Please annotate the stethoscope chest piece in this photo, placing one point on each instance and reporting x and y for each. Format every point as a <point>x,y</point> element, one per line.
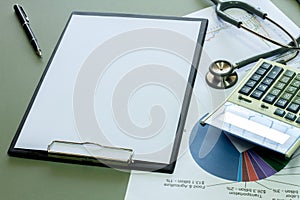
<point>221,75</point>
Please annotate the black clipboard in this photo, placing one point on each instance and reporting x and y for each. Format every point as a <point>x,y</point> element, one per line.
<point>64,105</point>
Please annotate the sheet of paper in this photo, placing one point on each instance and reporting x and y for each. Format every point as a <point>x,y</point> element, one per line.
<point>217,166</point>
<point>107,84</point>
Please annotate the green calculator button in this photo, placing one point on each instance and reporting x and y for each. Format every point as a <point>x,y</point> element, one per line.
<point>291,89</point>
<point>280,85</point>
<point>297,100</point>
<point>289,73</point>
<point>287,96</point>
<point>275,91</point>
<point>285,79</point>
<point>296,83</point>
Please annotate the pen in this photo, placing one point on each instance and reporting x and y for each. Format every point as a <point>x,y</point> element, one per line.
<point>24,20</point>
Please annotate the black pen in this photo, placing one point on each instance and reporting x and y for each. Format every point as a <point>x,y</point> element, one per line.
<point>25,24</point>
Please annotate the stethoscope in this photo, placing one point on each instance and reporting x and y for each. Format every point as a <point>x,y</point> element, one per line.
<point>222,74</point>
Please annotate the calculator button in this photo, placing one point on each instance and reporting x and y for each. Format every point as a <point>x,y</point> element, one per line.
<point>245,90</point>
<point>262,87</point>
<point>266,66</point>
<point>261,71</point>
<point>287,96</point>
<point>297,100</point>
<point>297,77</point>
<point>256,77</point>
<point>282,103</point>
<point>289,73</point>
<point>269,98</point>
<point>275,91</point>
<point>285,79</point>
<point>279,112</point>
<point>296,83</point>
<point>257,94</point>
<point>251,83</point>
<point>293,107</point>
<point>298,120</point>
<point>291,89</point>
<point>280,85</point>
<point>267,81</point>
<point>275,72</point>
<point>290,116</point>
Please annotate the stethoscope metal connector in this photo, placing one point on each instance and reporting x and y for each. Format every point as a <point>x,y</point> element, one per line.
<point>221,75</point>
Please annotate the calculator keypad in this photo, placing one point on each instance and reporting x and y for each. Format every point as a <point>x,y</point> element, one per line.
<point>275,86</point>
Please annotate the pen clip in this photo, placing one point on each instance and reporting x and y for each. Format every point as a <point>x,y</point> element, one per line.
<point>23,13</point>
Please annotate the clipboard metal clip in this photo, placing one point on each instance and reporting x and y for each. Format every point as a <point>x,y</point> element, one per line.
<point>90,150</point>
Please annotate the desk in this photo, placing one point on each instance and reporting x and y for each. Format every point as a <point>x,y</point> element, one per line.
<point>20,72</point>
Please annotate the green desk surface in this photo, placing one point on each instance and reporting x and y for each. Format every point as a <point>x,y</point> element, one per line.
<point>19,75</point>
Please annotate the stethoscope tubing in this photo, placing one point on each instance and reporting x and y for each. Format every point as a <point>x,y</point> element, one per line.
<point>268,54</point>
<point>221,7</point>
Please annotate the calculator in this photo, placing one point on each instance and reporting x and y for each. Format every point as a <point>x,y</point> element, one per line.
<point>264,108</point>
<point>271,89</point>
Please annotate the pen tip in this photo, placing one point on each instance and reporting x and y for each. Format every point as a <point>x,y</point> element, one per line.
<point>39,53</point>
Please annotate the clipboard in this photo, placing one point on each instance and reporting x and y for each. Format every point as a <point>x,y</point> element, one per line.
<point>114,93</point>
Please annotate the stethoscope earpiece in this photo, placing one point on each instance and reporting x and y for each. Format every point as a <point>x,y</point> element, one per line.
<point>221,75</point>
